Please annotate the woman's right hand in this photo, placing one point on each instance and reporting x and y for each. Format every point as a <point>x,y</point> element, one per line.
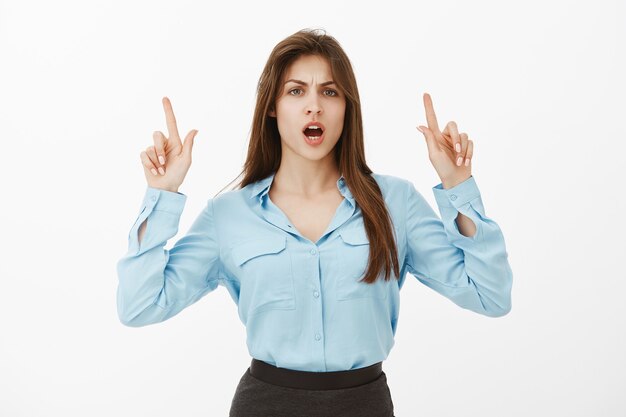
<point>166,163</point>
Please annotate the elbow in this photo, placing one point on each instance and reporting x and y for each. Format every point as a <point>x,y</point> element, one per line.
<point>499,309</point>
<point>129,322</point>
<point>133,312</point>
<point>136,315</point>
<point>137,319</point>
<point>494,306</point>
<point>498,312</point>
<point>499,303</point>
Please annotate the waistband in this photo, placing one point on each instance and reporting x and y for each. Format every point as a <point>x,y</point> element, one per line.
<point>292,378</point>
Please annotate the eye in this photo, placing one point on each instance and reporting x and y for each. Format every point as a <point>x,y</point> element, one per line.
<point>334,93</point>
<point>294,89</point>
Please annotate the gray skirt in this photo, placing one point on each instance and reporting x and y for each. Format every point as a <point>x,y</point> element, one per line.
<point>257,398</point>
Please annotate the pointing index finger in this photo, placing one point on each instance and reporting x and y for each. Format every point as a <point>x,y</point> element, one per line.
<point>430,113</point>
<point>172,129</point>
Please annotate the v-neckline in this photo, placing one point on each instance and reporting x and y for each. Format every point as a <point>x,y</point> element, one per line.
<point>330,222</point>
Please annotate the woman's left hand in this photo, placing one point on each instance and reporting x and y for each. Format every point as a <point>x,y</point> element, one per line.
<point>449,151</point>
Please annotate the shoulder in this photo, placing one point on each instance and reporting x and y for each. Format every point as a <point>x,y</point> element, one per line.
<point>395,191</point>
<point>228,200</point>
<point>391,183</point>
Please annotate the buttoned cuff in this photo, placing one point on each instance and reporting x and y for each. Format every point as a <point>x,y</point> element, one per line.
<point>162,200</point>
<point>458,195</point>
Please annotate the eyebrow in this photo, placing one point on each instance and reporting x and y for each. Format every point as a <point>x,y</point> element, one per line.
<point>303,83</point>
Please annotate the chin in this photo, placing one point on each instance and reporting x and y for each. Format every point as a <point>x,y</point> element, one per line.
<point>316,155</point>
<point>311,153</point>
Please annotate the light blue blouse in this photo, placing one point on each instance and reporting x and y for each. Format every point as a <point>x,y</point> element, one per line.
<point>300,301</point>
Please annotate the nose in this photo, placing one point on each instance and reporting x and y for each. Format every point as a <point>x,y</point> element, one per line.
<point>313,105</point>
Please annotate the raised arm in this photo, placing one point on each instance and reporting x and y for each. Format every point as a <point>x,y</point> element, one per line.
<point>156,284</point>
<point>474,271</point>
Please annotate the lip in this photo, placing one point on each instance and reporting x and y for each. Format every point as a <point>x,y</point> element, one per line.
<point>314,142</point>
<point>314,124</point>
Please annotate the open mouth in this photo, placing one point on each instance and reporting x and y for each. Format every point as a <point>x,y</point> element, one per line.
<point>313,131</point>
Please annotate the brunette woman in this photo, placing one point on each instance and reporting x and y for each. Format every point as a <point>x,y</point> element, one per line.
<point>313,247</point>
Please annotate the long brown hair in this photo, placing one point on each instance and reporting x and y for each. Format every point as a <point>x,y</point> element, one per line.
<point>264,148</point>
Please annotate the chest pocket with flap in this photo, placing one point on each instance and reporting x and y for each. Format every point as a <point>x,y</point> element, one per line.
<point>352,256</point>
<point>265,273</point>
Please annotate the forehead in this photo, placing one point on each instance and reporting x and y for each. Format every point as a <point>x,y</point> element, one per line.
<point>309,67</point>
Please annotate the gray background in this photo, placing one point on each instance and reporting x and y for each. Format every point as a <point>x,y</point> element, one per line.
<point>538,86</point>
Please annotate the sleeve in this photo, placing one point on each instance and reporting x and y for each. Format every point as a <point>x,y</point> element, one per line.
<point>473,272</point>
<point>155,283</point>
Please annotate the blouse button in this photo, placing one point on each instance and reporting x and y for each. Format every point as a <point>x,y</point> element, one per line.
<point>453,197</point>
<point>154,198</point>
<point>313,251</point>
<point>316,294</point>
<point>317,336</point>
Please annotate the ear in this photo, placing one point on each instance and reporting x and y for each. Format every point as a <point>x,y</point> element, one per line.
<point>271,112</point>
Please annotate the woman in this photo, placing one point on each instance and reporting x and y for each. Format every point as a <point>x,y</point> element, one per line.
<point>313,247</point>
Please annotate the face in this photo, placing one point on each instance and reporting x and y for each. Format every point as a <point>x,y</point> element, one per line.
<point>309,95</point>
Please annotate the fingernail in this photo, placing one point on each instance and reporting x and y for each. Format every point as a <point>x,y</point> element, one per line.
<point>458,161</point>
<point>420,129</point>
<point>161,160</point>
<point>153,171</point>
<point>161,171</point>
<point>467,162</point>
<point>457,147</point>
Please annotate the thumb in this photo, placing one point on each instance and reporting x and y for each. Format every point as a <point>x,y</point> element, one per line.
<point>188,145</point>
<point>431,142</point>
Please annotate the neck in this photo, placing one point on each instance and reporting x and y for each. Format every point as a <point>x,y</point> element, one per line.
<point>306,178</point>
